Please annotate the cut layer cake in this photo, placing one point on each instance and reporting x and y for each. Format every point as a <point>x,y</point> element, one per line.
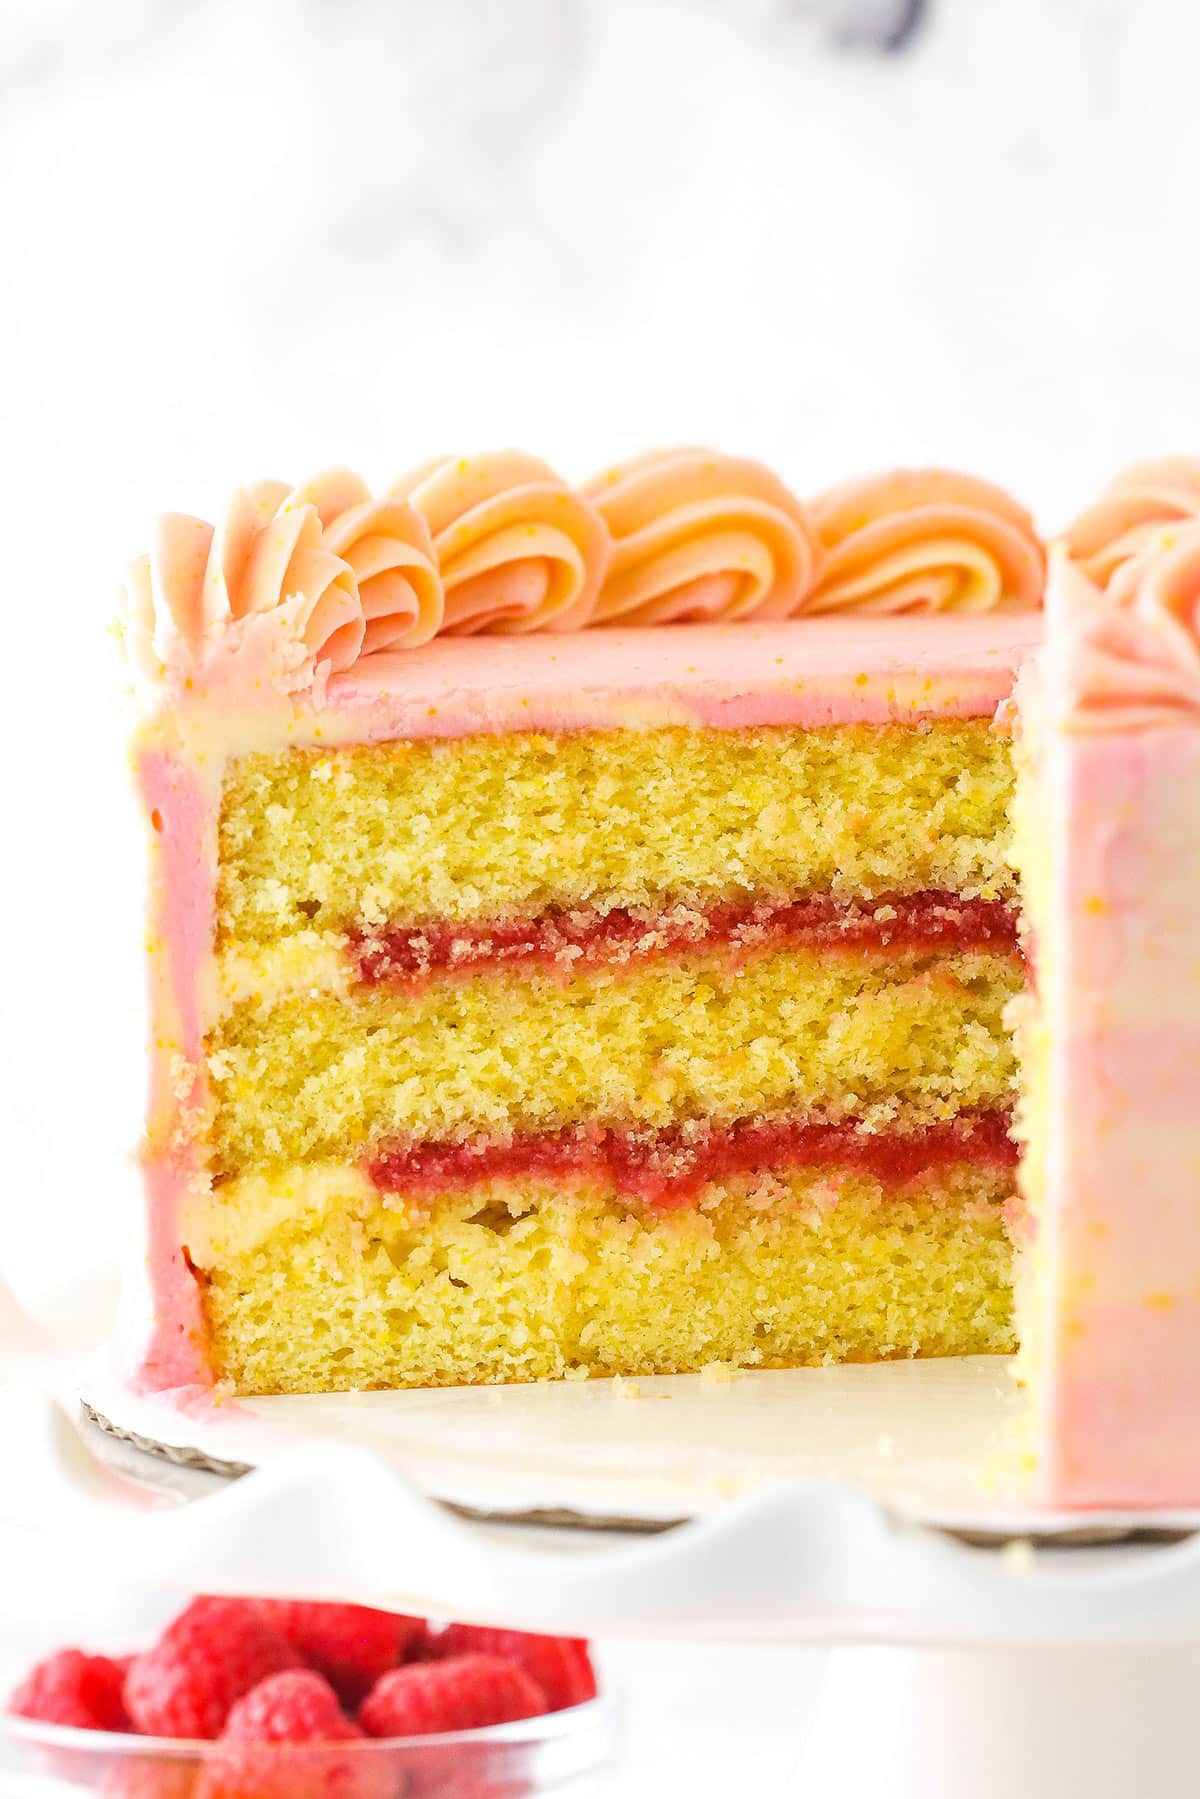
<point>584,933</point>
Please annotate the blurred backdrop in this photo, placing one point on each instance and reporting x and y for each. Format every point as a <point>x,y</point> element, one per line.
<point>242,237</point>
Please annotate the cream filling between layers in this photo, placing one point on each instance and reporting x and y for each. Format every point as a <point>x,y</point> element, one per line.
<point>239,1216</point>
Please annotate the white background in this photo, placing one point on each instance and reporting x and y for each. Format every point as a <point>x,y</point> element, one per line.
<point>245,237</point>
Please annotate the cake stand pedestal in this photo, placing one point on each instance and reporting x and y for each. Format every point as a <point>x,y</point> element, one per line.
<point>1009,1723</point>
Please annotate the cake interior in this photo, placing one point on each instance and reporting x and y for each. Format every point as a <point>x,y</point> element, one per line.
<point>545,1054</point>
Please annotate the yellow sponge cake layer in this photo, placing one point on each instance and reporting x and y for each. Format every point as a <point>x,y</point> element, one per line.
<point>492,826</point>
<point>656,1043</point>
<point>312,1283</point>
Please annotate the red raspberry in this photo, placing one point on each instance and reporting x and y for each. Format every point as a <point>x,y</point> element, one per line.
<point>216,1650</point>
<point>464,1693</point>
<point>351,1645</point>
<point>279,1743</point>
<point>561,1666</point>
<point>295,1707</point>
<point>73,1688</point>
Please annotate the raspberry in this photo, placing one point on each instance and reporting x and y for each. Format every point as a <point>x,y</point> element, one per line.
<point>295,1707</point>
<point>351,1645</point>
<point>465,1692</point>
<point>561,1666</point>
<point>280,1742</point>
<point>73,1688</point>
<point>216,1650</point>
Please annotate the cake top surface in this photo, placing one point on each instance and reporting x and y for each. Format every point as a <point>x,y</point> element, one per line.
<point>320,591</point>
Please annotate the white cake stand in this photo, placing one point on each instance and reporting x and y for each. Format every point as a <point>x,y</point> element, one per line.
<point>957,1671</point>
<point>1031,1667</point>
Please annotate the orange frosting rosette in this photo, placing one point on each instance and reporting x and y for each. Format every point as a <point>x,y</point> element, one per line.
<point>387,545</point>
<point>339,574</point>
<point>926,540</point>
<point>518,550</point>
<point>1135,662</point>
<point>700,536</point>
<point>1131,513</point>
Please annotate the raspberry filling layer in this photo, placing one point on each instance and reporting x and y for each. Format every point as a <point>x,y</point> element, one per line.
<point>900,924</point>
<point>665,1169</point>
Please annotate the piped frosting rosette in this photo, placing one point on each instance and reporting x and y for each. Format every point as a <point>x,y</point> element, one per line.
<point>320,575</point>
<point>1134,662</point>
<point>925,540</point>
<point>1131,514</point>
<point>518,550</point>
<point>701,536</point>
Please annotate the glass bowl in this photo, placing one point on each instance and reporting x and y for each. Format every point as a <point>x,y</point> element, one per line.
<point>564,1752</point>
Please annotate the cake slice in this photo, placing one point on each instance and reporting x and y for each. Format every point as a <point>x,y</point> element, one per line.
<point>582,924</point>
<point>1108,842</point>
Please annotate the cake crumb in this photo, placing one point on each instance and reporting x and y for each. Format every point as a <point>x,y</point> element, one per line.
<point>626,1389</point>
<point>1019,1554</point>
<point>718,1374</point>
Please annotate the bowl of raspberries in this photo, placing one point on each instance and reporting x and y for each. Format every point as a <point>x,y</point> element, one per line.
<point>298,1699</point>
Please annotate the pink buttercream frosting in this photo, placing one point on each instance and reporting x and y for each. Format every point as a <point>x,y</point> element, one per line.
<point>1131,512</point>
<point>925,540</point>
<point>1133,652</point>
<point>1113,1313</point>
<point>316,578</point>
<point>701,536</point>
<point>518,550</point>
<point>182,899</point>
<point>296,585</point>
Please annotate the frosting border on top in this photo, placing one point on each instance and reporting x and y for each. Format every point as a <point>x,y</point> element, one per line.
<point>300,586</point>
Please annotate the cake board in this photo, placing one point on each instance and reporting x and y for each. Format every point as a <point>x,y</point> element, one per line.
<point>935,1442</point>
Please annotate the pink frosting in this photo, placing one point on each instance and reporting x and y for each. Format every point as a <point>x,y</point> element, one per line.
<point>518,550</point>
<point>802,671</point>
<point>1131,512</point>
<point>182,820</point>
<point>925,540</point>
<point>300,584</point>
<point>331,575</point>
<point>701,536</point>
<point>1134,651</point>
<point>1116,1387</point>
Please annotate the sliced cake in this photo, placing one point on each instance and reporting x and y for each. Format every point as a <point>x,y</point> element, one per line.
<point>582,923</point>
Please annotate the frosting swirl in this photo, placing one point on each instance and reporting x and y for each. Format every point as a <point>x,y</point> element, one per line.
<point>926,540</point>
<point>1131,513</point>
<point>700,536</point>
<point>1134,657</point>
<point>386,543</point>
<point>518,549</point>
<point>338,574</point>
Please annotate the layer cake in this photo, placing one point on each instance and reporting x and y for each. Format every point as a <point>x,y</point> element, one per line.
<point>582,923</point>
